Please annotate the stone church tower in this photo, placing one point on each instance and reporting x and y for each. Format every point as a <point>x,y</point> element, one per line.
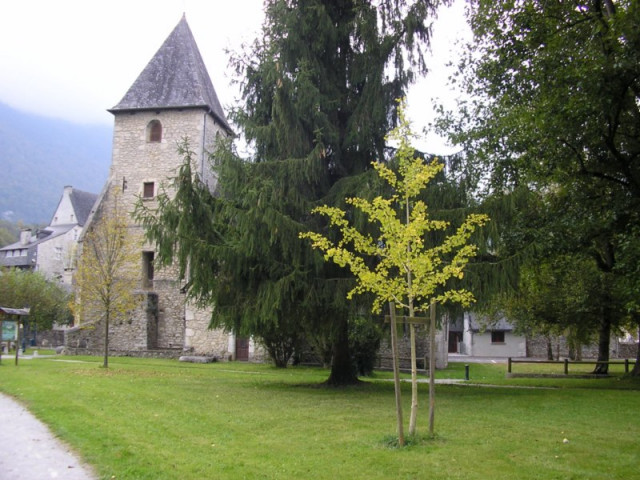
<point>172,99</point>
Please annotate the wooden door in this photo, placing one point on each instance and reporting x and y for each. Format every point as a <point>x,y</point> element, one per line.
<point>242,349</point>
<point>454,339</point>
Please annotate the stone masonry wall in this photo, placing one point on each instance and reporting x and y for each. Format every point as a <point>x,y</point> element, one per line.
<point>55,256</point>
<point>200,339</point>
<point>537,348</point>
<point>385,356</point>
<point>136,161</point>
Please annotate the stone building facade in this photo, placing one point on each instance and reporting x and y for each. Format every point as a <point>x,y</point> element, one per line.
<point>52,249</point>
<point>173,99</point>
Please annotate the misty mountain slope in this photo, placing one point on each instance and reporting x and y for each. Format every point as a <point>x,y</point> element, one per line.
<point>40,155</point>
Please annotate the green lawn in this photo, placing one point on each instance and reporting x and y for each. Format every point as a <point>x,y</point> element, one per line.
<point>160,419</point>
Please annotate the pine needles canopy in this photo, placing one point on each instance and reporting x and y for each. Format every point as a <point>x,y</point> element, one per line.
<point>319,89</point>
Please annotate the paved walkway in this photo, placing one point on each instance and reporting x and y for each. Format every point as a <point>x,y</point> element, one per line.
<point>29,450</point>
<point>459,358</point>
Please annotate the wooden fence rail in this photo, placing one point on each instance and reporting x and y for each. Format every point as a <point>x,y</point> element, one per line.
<point>566,363</point>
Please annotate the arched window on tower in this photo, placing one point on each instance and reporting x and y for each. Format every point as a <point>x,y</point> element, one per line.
<point>154,131</point>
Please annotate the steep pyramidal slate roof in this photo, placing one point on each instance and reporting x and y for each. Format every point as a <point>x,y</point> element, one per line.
<point>176,77</point>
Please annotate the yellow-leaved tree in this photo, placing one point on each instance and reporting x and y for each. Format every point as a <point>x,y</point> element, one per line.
<point>398,266</point>
<point>108,272</point>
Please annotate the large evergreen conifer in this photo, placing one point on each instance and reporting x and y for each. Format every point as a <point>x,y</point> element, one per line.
<point>319,90</point>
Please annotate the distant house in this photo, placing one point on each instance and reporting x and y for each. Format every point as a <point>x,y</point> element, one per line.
<point>51,250</point>
<point>471,336</point>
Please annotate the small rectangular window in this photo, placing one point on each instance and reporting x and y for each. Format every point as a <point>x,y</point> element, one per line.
<point>497,336</point>
<point>148,190</point>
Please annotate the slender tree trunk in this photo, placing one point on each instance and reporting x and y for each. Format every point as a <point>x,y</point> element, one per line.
<point>413,418</point>
<point>432,367</point>
<point>604,334</point>
<point>342,368</point>
<point>636,368</point>
<point>17,339</point>
<point>571,345</point>
<point>605,260</point>
<point>396,372</point>
<point>105,363</point>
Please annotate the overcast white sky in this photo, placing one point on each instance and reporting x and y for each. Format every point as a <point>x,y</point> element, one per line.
<point>73,59</point>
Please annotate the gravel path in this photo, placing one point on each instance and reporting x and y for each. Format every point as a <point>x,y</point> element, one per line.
<point>29,451</point>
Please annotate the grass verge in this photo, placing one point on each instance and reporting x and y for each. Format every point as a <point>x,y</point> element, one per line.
<point>160,419</point>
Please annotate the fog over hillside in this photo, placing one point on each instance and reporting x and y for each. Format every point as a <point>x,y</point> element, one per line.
<point>40,155</point>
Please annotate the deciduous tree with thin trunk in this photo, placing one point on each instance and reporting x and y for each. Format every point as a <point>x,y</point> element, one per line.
<point>554,106</point>
<point>397,265</point>
<point>47,300</point>
<point>109,271</point>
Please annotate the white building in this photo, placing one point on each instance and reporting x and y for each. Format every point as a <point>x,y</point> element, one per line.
<point>474,337</point>
<point>52,250</point>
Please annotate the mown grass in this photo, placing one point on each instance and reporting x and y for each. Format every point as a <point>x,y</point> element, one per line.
<point>160,419</point>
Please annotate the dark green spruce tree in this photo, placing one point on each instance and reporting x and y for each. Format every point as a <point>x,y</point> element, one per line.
<point>319,91</point>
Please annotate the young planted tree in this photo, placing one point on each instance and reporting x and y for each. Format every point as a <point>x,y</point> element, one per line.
<point>397,265</point>
<point>108,271</point>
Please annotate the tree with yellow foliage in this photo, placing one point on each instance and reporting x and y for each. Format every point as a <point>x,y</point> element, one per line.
<point>398,266</point>
<point>108,271</point>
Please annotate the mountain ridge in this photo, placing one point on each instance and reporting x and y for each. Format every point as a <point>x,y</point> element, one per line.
<point>40,155</point>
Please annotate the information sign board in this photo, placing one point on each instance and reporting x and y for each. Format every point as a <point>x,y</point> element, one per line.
<point>9,330</point>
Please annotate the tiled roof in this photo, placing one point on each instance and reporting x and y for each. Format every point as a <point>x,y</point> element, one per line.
<point>19,261</point>
<point>28,260</point>
<point>41,235</point>
<point>479,324</point>
<point>176,77</point>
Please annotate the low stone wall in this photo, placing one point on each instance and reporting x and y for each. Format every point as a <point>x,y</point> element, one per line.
<point>160,353</point>
<point>200,339</point>
<point>627,350</point>
<point>385,355</point>
<point>537,348</point>
<point>50,338</point>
